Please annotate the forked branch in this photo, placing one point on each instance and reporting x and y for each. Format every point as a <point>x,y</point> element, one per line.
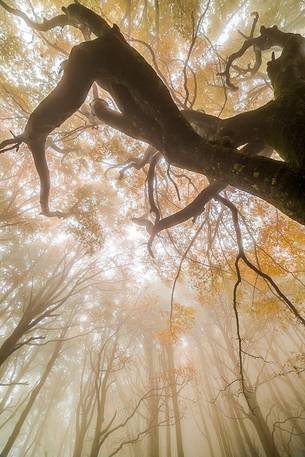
<point>268,38</point>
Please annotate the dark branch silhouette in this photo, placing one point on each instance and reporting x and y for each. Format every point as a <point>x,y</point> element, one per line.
<point>147,112</point>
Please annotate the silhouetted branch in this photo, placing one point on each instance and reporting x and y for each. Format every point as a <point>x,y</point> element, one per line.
<point>242,256</point>
<point>268,38</point>
<point>58,21</point>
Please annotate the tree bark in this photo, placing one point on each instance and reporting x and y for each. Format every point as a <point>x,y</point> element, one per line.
<point>147,112</point>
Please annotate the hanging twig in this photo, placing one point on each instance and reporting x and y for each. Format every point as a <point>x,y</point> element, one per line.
<point>242,255</point>
<point>179,271</point>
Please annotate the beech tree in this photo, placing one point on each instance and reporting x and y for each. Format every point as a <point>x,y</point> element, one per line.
<point>163,211</point>
<point>146,111</point>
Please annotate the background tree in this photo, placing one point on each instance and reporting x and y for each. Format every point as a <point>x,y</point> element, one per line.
<point>110,348</point>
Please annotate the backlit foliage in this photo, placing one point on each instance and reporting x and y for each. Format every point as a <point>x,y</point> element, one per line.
<point>145,344</point>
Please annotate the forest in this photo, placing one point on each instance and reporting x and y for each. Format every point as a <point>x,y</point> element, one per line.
<point>152,243</point>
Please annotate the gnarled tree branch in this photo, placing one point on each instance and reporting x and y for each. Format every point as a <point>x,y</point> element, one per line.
<point>141,95</point>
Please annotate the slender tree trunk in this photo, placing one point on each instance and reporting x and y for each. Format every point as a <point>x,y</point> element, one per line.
<point>101,397</point>
<point>176,409</point>
<point>234,428</point>
<point>261,426</point>
<point>10,343</point>
<point>168,445</point>
<point>253,452</point>
<point>255,414</point>
<point>223,441</point>
<point>79,442</point>
<point>204,423</point>
<point>34,394</point>
<point>168,441</point>
<point>40,428</point>
<point>239,439</point>
<point>30,439</point>
<point>84,411</point>
<point>95,448</point>
<point>17,378</point>
<point>153,402</point>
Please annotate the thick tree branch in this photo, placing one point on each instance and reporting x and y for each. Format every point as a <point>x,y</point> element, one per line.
<point>132,82</point>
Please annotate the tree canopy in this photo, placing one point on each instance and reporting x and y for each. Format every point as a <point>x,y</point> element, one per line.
<point>155,243</point>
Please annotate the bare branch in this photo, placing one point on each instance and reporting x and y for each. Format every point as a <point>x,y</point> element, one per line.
<point>242,255</point>
<point>58,21</point>
<point>268,38</point>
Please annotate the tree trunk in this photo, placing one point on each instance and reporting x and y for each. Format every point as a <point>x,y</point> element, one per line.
<point>9,345</point>
<point>223,441</point>
<point>101,397</point>
<point>176,409</point>
<point>34,394</point>
<point>257,418</point>
<point>40,428</point>
<point>253,451</point>
<point>153,402</point>
<point>204,423</point>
